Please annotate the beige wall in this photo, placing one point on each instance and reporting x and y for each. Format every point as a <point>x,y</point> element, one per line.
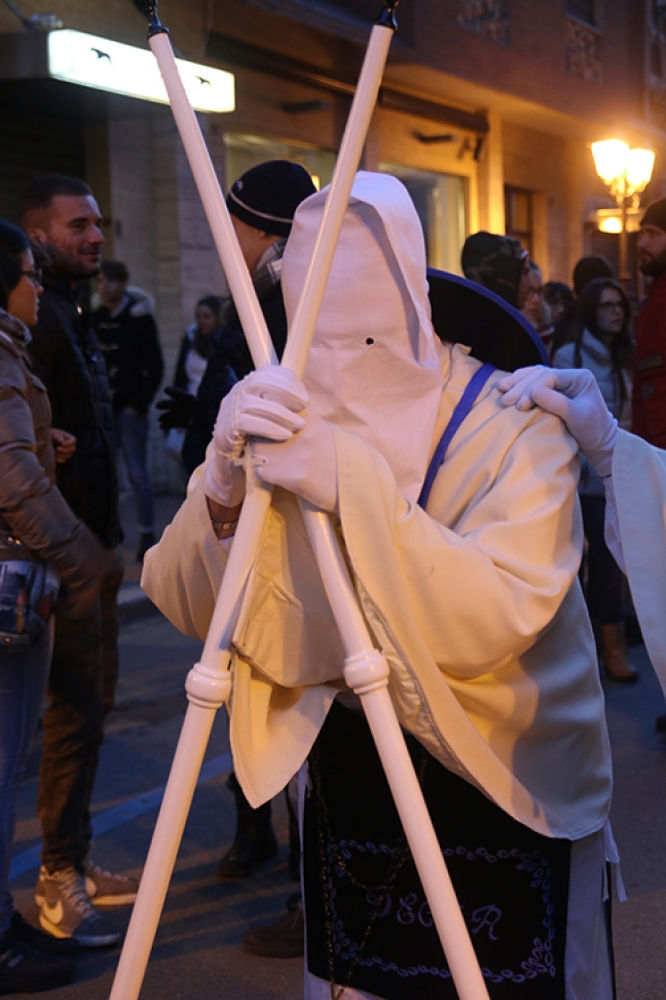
<point>537,162</point>
<point>491,179</point>
<point>155,224</point>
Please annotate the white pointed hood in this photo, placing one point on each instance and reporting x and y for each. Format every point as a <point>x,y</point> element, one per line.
<point>373,367</point>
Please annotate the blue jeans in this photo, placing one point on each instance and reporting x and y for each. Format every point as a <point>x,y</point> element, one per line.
<point>132,431</point>
<point>23,675</point>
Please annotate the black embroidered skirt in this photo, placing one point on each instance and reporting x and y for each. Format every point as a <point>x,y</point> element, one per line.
<point>368,922</point>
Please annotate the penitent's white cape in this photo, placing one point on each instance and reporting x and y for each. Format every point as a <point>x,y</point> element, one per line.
<point>475,603</point>
<point>639,485</point>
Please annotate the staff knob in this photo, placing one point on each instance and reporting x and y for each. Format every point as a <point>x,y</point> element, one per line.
<point>149,10</point>
<point>387,18</point>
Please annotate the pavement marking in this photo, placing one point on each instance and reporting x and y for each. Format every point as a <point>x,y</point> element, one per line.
<point>126,811</point>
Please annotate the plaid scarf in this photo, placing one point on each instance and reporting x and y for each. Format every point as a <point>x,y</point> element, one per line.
<point>269,269</point>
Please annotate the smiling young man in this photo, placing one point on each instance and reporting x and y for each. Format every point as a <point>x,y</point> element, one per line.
<point>649,397</point>
<point>61,216</point>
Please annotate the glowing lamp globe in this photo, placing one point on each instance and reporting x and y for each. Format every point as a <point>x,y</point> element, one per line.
<point>639,168</point>
<point>610,159</point>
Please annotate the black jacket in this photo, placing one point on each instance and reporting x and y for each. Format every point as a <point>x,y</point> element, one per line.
<point>132,353</point>
<point>69,361</point>
<point>231,360</point>
<point>272,306</point>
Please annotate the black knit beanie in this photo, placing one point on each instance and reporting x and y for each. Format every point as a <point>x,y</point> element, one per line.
<point>496,262</point>
<point>267,196</point>
<point>655,214</point>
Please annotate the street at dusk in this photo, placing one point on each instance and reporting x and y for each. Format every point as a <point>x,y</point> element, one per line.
<point>198,949</point>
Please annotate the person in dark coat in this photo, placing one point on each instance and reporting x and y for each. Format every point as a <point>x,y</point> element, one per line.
<point>649,398</point>
<point>37,529</point>
<point>60,215</point>
<point>189,420</point>
<point>262,204</point>
<point>500,264</point>
<point>586,270</point>
<point>127,331</point>
<point>199,344</point>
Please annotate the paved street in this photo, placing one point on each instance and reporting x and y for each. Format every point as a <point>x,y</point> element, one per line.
<point>198,950</point>
<point>198,953</point>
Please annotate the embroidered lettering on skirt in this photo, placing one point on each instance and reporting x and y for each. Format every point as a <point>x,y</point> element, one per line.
<point>512,883</point>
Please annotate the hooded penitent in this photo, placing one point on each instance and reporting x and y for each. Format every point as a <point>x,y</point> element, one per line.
<point>372,367</point>
<point>474,602</point>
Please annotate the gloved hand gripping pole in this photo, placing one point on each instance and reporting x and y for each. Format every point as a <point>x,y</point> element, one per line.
<point>208,684</point>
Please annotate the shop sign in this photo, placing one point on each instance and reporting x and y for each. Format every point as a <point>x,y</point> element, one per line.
<point>125,69</point>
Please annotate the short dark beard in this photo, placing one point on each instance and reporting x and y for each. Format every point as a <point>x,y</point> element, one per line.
<point>654,265</point>
<point>67,264</point>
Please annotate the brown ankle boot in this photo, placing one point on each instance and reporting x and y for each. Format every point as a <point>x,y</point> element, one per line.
<point>614,645</point>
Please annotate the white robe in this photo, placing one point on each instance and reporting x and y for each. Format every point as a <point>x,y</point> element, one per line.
<point>475,603</point>
<point>636,535</point>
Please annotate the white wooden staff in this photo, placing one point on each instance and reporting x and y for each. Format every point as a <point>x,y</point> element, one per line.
<point>366,671</point>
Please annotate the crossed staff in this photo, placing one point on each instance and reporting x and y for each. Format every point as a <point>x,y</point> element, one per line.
<point>366,671</point>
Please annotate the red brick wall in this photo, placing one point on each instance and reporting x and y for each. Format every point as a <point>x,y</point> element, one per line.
<point>533,65</point>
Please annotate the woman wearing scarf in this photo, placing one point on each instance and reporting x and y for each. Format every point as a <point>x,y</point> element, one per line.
<point>602,342</point>
<point>37,529</point>
<point>472,598</point>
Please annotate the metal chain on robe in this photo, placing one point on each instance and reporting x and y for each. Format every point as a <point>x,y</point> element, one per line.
<point>401,854</point>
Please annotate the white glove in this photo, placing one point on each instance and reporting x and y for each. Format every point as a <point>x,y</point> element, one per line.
<point>573,395</point>
<point>305,464</point>
<point>264,403</point>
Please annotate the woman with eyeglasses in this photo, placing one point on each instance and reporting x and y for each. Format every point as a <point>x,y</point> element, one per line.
<point>602,342</point>
<point>535,308</point>
<point>37,531</point>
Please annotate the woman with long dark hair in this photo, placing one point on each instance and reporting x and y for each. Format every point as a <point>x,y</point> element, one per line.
<point>40,540</point>
<point>602,342</point>
<point>198,344</point>
<point>209,355</point>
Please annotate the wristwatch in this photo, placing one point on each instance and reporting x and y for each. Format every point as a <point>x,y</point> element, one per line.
<point>228,527</point>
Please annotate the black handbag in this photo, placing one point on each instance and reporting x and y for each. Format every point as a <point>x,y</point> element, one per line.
<point>28,590</point>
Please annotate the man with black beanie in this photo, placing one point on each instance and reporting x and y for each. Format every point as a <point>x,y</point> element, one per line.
<point>262,204</point>
<point>649,398</point>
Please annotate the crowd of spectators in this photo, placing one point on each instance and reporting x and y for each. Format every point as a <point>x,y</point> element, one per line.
<point>76,389</point>
<point>590,325</point>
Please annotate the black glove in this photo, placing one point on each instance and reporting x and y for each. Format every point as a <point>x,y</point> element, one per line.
<point>178,411</point>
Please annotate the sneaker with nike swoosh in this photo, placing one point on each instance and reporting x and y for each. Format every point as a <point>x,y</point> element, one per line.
<point>67,912</point>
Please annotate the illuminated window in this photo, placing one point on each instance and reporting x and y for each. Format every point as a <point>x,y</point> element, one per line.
<point>518,215</point>
<point>441,203</point>
<point>244,151</point>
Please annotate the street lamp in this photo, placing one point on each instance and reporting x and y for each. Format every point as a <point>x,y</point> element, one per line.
<point>627,172</point>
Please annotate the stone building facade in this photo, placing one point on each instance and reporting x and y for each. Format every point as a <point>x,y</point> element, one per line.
<point>487,111</point>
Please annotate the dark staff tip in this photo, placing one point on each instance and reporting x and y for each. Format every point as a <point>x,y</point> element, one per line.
<point>149,10</point>
<point>387,18</point>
